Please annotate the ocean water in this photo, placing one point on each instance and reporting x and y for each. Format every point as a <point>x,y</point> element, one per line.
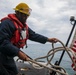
<point>38,50</point>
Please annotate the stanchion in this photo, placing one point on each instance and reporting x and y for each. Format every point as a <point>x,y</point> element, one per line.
<point>72,19</point>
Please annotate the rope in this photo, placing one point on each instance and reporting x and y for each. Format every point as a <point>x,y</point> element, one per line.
<point>59,70</point>
<point>51,53</point>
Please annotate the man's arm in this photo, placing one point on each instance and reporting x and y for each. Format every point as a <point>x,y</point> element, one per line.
<point>40,38</point>
<point>37,37</point>
<point>7,29</point>
<point>23,56</point>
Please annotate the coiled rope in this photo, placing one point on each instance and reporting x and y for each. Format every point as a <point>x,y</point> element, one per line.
<point>51,53</point>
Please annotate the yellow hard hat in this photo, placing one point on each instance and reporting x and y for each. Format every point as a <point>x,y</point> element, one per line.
<point>24,8</point>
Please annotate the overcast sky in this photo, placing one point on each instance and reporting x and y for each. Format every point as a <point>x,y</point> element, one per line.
<point>48,17</point>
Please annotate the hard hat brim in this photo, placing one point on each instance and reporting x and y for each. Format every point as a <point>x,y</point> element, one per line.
<point>20,11</point>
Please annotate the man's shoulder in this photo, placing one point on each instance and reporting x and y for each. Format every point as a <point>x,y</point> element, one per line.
<point>7,22</point>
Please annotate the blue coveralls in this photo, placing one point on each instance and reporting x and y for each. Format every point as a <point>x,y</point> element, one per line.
<point>7,50</point>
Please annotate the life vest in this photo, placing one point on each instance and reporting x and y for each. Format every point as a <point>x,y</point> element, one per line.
<point>20,35</point>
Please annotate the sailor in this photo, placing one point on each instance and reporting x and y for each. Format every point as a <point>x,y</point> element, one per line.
<point>14,33</point>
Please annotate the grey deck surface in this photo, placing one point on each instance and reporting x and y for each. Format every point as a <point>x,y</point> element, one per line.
<point>27,69</point>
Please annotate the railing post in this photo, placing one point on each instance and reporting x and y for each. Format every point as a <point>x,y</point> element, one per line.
<point>72,19</point>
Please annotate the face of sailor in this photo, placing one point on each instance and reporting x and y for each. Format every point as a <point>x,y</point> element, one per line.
<point>22,17</point>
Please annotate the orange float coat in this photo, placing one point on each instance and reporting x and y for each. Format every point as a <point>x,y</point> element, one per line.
<point>17,38</point>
